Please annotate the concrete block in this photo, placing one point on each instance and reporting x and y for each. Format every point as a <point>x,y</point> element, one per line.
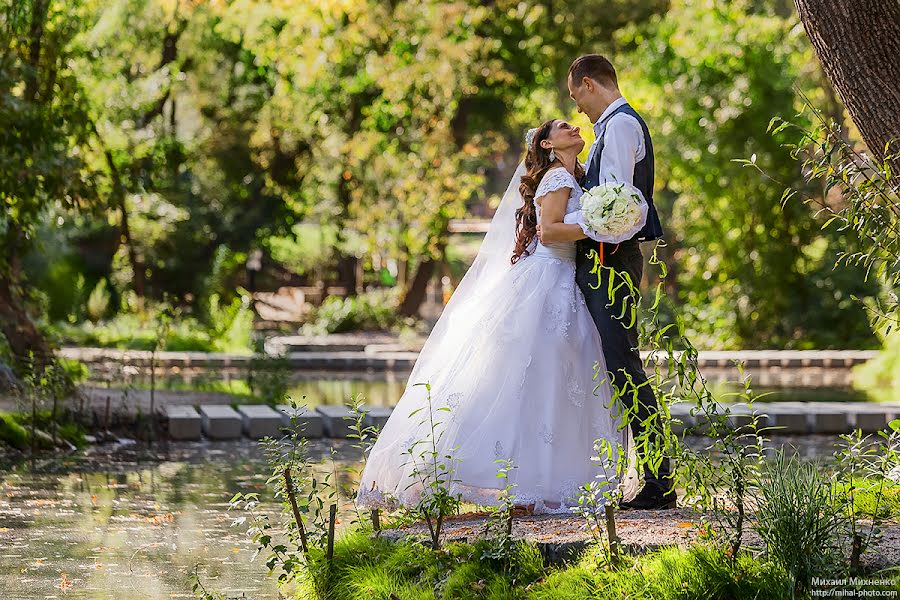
<point>260,421</point>
<point>783,419</point>
<point>184,422</point>
<point>220,422</point>
<point>336,420</point>
<point>870,419</point>
<point>309,422</point>
<point>826,420</point>
<point>376,416</point>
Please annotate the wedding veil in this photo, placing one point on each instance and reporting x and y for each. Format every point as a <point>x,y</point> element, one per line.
<point>490,265</point>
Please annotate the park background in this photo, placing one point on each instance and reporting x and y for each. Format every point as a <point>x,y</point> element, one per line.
<point>339,143</point>
<point>222,204</point>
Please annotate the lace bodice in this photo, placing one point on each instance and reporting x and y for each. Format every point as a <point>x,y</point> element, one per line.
<point>555,179</point>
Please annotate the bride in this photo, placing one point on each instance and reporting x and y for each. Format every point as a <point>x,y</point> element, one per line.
<point>509,365</point>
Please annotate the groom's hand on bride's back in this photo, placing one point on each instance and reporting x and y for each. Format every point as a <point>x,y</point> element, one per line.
<point>539,230</point>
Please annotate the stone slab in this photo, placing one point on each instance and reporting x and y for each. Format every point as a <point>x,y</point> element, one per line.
<point>184,422</point>
<point>869,419</point>
<point>784,418</point>
<point>221,422</point>
<point>336,420</point>
<point>310,423</point>
<point>828,420</point>
<point>376,416</point>
<point>260,420</point>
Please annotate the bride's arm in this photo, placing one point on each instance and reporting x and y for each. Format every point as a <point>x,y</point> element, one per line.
<point>551,228</point>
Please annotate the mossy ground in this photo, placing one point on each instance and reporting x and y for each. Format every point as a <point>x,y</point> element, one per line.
<point>15,429</point>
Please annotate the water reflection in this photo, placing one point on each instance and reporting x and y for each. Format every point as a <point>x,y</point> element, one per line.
<point>132,524</point>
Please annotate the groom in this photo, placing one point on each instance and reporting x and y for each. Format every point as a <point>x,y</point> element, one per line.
<point>622,152</point>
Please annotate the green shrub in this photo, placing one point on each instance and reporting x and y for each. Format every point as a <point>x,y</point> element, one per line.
<point>98,302</point>
<point>375,310</point>
<point>231,324</point>
<point>230,330</point>
<point>880,377</point>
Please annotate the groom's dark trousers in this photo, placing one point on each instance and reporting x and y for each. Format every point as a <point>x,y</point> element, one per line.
<point>620,343</point>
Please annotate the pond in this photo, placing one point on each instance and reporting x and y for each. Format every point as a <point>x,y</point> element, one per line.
<point>132,522</point>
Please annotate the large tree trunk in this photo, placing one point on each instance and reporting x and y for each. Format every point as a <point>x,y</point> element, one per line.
<point>858,44</point>
<point>29,348</point>
<point>415,293</point>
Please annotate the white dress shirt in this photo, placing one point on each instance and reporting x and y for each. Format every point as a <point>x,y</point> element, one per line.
<point>623,147</point>
<point>623,144</point>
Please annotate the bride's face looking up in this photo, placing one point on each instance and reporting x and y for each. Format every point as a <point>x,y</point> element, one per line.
<point>564,138</point>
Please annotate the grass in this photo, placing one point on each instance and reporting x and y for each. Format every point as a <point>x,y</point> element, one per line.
<point>864,498</point>
<point>376,568</point>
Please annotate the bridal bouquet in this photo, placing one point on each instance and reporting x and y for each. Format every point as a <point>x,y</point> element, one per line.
<point>613,209</point>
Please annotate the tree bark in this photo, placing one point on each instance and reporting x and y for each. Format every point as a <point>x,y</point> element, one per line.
<point>415,294</point>
<point>29,348</point>
<point>858,44</point>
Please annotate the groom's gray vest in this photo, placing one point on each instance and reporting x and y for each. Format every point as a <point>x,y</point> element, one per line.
<point>643,178</point>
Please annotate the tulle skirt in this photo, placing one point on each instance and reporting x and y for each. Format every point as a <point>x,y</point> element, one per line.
<point>512,377</point>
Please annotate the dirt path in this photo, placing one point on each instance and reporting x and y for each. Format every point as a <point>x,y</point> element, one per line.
<point>639,531</point>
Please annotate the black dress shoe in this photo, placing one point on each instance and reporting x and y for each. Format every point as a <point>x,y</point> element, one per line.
<point>651,498</point>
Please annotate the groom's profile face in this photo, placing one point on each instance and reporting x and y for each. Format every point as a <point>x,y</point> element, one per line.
<point>580,92</point>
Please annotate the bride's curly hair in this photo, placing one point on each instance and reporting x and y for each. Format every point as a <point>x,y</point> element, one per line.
<point>537,163</point>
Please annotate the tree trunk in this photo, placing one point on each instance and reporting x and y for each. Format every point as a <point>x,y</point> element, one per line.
<point>415,294</point>
<point>23,337</point>
<point>858,42</point>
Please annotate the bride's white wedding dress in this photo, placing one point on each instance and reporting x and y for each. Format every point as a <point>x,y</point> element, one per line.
<point>513,371</point>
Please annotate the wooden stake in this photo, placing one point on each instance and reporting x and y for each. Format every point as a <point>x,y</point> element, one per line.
<point>376,522</point>
<point>611,533</point>
<point>289,490</point>
<point>332,517</point>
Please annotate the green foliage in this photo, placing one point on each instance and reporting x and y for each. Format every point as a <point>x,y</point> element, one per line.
<point>42,117</point>
<point>98,302</point>
<point>859,203</point>
<point>868,485</point>
<point>749,273</point>
<point>671,573</point>
<point>15,429</point>
<point>12,433</point>
<point>231,325</point>
<point>375,310</point>
<point>433,469</point>
<point>229,329</point>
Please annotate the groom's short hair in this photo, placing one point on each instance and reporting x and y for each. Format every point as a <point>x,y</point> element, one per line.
<point>596,67</point>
